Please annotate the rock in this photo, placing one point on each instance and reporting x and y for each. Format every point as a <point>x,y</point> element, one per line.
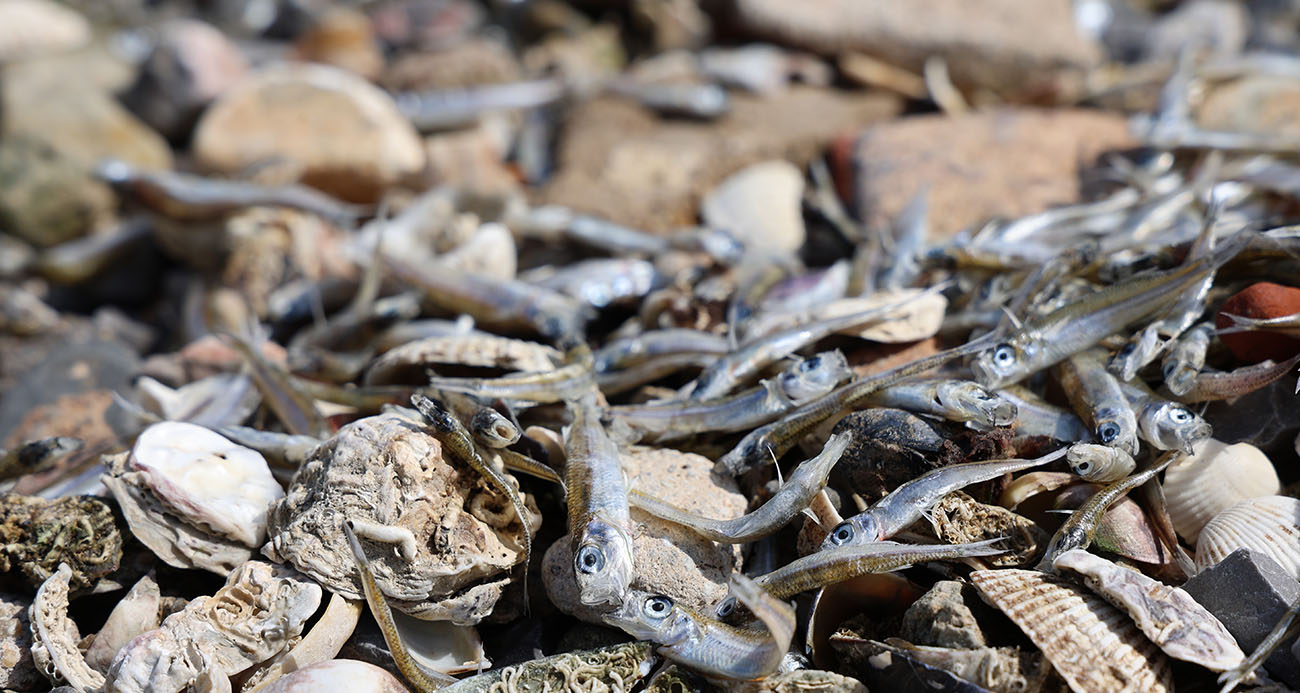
<point>983,43</point>
<point>1266,418</point>
<point>941,618</point>
<point>761,205</point>
<point>1249,592</point>
<point>890,447</point>
<point>1005,163</point>
<point>473,62</point>
<point>340,133</point>
<point>620,162</point>
<point>35,27</point>
<point>45,197</point>
<point>17,671</point>
<point>342,37</point>
<point>472,160</point>
<point>1260,300</point>
<point>673,24</point>
<point>670,559</point>
<point>62,104</point>
<point>190,66</point>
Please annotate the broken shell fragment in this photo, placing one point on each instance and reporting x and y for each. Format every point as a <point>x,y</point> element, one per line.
<point>1093,645</point>
<point>625,664</point>
<point>1269,524</point>
<point>258,614</point>
<point>55,637</point>
<point>1167,615</point>
<point>415,513</point>
<point>1214,478</point>
<point>137,613</point>
<point>17,670</point>
<point>960,519</point>
<point>441,646</point>
<point>895,663</point>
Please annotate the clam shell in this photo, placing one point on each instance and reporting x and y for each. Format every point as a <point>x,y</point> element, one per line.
<point>919,319</point>
<point>479,350</point>
<point>1167,615</point>
<point>1093,645</point>
<point>1213,479</point>
<point>1270,525</point>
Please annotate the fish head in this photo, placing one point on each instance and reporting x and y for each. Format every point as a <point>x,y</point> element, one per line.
<point>977,403</point>
<point>1099,463</point>
<point>815,376</point>
<point>602,564</point>
<point>1001,365</point>
<point>862,528</point>
<point>1172,426</point>
<point>646,616</point>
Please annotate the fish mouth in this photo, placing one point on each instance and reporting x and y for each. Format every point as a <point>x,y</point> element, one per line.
<point>984,373</point>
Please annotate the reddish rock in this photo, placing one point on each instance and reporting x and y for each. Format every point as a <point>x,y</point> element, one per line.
<point>1261,300</point>
<point>1005,163</point>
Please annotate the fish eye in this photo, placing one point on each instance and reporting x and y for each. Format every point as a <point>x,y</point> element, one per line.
<point>1180,415</point>
<point>1108,432</point>
<point>1083,467</point>
<point>1169,369</point>
<point>1004,356</point>
<point>727,607</point>
<point>842,534</point>
<point>657,607</point>
<point>591,560</point>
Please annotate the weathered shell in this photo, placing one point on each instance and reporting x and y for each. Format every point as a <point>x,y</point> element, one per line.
<point>137,613</point>
<point>1269,524</point>
<point>1101,463</point>
<point>894,664</point>
<point>1093,645</point>
<point>626,663</point>
<point>37,535</point>
<point>55,637</point>
<point>917,320</point>
<point>475,349</point>
<point>223,399</point>
<point>1029,485</point>
<point>256,615</point>
<point>489,252</point>
<point>35,27</point>
<point>958,519</point>
<point>1167,615</point>
<point>338,675</point>
<point>1213,479</point>
<point>17,671</point>
<point>441,646</point>
<point>390,477</point>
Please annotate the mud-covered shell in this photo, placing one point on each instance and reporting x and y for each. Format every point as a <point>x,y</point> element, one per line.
<point>258,614</point>
<point>1269,524</point>
<point>1213,479</point>
<point>423,519</point>
<point>474,349</point>
<point>1167,615</point>
<point>1094,646</point>
<point>36,535</point>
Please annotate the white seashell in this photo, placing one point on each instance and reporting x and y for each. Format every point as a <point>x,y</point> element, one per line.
<point>761,205</point>
<point>207,480</point>
<point>489,252</point>
<point>1101,463</point>
<point>1269,525</point>
<point>1167,615</point>
<point>338,675</point>
<point>36,27</point>
<point>441,646</point>
<point>1093,645</point>
<point>1213,479</point>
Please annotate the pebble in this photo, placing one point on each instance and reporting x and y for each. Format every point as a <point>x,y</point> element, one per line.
<point>761,205</point>
<point>191,64</point>
<point>471,160</point>
<point>47,398</point>
<point>345,38</point>
<point>941,618</point>
<point>1260,300</point>
<point>620,162</point>
<point>890,447</point>
<point>340,133</point>
<point>46,198</point>
<point>1005,163</point>
<point>984,43</point>
<point>1249,592</point>
<point>670,559</point>
<point>34,27</point>
<point>472,63</point>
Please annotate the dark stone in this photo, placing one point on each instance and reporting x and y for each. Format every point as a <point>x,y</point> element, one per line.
<point>1249,592</point>
<point>890,447</point>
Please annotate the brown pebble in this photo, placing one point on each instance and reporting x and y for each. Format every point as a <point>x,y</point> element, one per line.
<point>1260,300</point>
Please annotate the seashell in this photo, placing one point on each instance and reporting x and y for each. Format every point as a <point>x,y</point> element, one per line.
<point>489,252</point>
<point>1094,646</point>
<point>137,613</point>
<point>761,205</point>
<point>440,646</point>
<point>338,675</point>
<point>1027,486</point>
<point>958,519</point>
<point>1269,524</point>
<point>1216,477</point>
<point>876,594</point>
<point>919,319</point>
<point>19,672</point>
<point>1124,529</point>
<point>224,399</point>
<point>33,27</point>
<point>1101,463</point>
<point>1167,615</point>
<point>898,665</point>
<point>474,349</point>
<point>55,636</point>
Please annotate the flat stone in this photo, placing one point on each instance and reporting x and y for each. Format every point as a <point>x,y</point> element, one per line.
<point>336,131</point>
<point>1249,592</point>
<point>940,618</point>
<point>984,42</point>
<point>1005,163</point>
<point>45,197</point>
<point>618,161</point>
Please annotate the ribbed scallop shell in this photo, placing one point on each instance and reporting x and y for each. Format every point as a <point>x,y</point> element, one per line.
<point>1214,479</point>
<point>1094,646</point>
<point>1270,525</point>
<point>36,27</point>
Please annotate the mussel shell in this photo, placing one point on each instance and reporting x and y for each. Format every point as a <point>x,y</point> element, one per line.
<point>1269,524</point>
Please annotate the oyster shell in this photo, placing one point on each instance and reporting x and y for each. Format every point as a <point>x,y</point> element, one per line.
<point>390,477</point>
<point>1167,615</point>
<point>1213,479</point>
<point>37,535</point>
<point>55,636</point>
<point>339,675</point>
<point>958,519</point>
<point>257,614</point>
<point>1093,645</point>
<point>137,613</point>
<point>1269,524</point>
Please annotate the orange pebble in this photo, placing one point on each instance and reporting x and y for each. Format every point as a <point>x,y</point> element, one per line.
<point>1261,300</point>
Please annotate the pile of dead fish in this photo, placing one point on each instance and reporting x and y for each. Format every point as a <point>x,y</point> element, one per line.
<point>459,383</point>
